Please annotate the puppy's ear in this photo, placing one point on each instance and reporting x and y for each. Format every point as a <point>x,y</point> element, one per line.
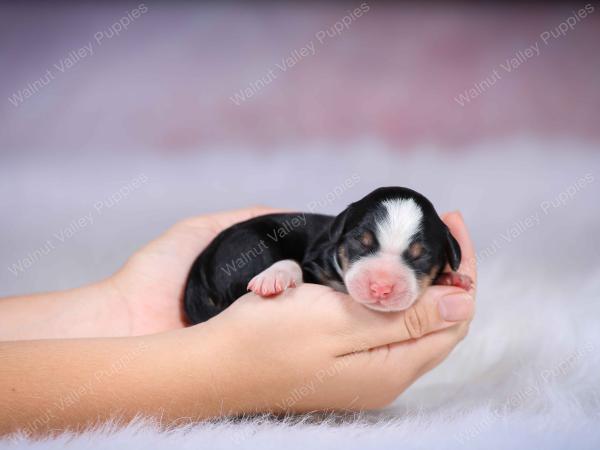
<point>452,251</point>
<point>336,229</point>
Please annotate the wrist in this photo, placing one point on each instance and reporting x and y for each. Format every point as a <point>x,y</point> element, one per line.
<point>91,311</point>
<point>87,311</point>
<point>201,371</point>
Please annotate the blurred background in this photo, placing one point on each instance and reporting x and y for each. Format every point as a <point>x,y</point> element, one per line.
<point>119,119</point>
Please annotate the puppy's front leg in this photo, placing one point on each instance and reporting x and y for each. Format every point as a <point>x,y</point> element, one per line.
<point>454,279</point>
<point>277,278</point>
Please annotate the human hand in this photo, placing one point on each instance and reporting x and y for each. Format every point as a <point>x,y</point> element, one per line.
<point>149,288</point>
<point>312,348</point>
<point>144,297</point>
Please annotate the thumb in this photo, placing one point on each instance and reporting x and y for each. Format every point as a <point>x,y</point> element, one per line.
<point>440,307</point>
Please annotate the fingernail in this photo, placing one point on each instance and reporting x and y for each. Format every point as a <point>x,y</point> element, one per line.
<point>455,307</point>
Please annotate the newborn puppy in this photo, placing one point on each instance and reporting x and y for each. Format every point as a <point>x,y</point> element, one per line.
<point>383,250</point>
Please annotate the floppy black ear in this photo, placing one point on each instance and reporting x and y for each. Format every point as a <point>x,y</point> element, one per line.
<point>452,251</point>
<point>336,229</point>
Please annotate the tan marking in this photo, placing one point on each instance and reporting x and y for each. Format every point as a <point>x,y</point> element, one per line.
<point>343,259</point>
<point>367,239</point>
<point>427,280</point>
<point>415,250</point>
<point>433,272</point>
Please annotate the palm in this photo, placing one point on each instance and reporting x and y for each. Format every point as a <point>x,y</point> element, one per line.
<point>152,281</point>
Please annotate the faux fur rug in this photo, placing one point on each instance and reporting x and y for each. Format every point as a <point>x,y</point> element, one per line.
<point>526,376</point>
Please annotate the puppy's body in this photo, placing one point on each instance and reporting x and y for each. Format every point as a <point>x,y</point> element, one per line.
<point>383,250</point>
<point>221,273</point>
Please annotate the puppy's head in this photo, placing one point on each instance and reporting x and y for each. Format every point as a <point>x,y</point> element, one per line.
<point>390,246</point>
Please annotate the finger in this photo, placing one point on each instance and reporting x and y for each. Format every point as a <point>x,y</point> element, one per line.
<point>439,308</point>
<point>468,264</point>
<point>200,230</point>
<point>189,237</point>
<point>221,220</point>
<point>396,366</point>
<point>405,362</point>
<point>427,352</point>
<point>227,218</point>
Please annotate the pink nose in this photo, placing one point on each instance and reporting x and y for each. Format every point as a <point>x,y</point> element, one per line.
<point>380,291</point>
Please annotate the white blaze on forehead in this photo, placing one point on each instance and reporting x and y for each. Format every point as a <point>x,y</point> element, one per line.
<point>401,222</point>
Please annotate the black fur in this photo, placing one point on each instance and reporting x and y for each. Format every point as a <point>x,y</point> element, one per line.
<point>221,273</point>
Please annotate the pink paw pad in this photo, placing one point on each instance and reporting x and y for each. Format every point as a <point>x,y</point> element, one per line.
<point>269,283</point>
<point>455,279</point>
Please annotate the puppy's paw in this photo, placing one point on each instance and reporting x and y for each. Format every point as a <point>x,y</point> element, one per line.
<point>276,279</point>
<point>267,284</point>
<point>455,279</point>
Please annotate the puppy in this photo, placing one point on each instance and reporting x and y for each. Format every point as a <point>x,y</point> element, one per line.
<point>383,250</point>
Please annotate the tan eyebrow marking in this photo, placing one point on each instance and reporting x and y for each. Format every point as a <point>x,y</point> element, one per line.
<point>415,250</point>
<point>367,239</point>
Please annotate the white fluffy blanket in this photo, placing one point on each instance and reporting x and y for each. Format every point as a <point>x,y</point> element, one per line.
<point>527,375</point>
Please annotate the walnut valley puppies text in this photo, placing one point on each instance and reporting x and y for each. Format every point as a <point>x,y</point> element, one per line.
<point>78,54</point>
<point>522,55</point>
<point>545,209</point>
<point>287,226</point>
<point>77,225</point>
<point>297,55</point>
<point>383,250</point>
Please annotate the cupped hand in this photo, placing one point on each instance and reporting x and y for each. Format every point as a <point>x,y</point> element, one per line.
<point>149,287</point>
<point>308,349</point>
<point>311,348</point>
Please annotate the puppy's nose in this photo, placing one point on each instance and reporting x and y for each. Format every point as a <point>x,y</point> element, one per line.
<point>380,291</point>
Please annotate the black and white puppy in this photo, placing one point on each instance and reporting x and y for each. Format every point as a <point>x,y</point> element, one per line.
<point>383,250</point>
